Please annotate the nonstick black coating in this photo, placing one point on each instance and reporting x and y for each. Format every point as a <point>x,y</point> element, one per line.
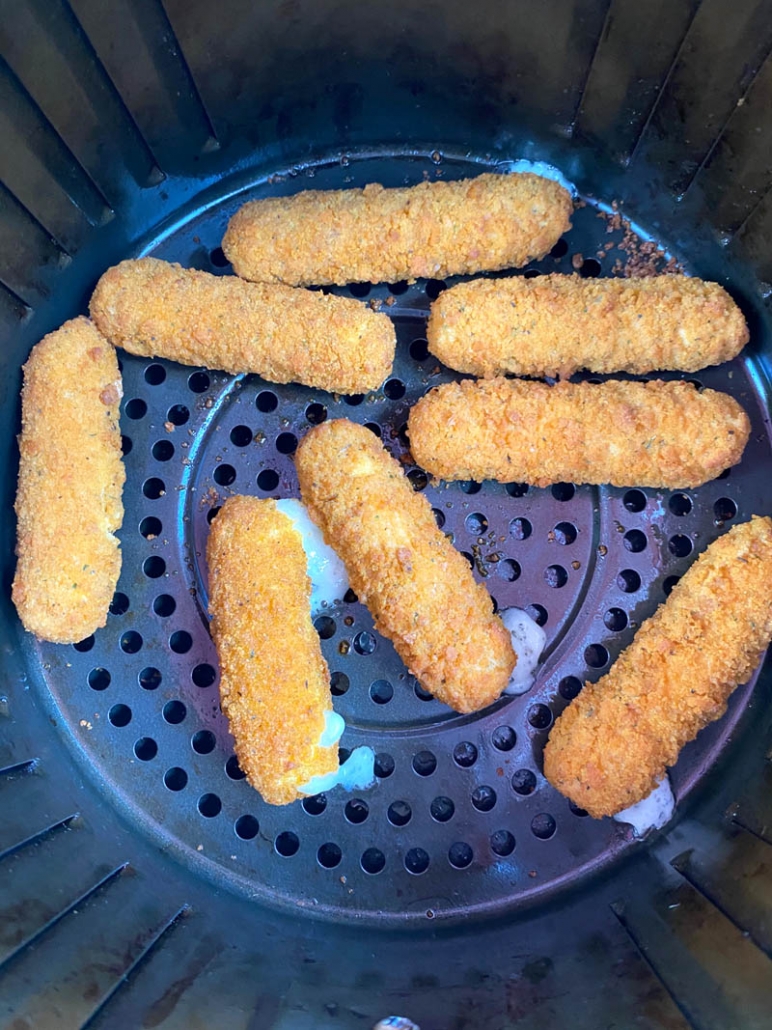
<point>461,822</point>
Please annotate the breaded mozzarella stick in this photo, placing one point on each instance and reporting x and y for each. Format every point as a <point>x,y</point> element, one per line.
<point>419,589</point>
<point>156,309</point>
<point>556,324</point>
<point>274,682</point>
<point>377,235</point>
<point>653,434</point>
<point>71,475</point>
<point>611,746</point>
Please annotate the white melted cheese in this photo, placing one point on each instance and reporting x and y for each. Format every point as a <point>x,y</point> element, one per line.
<point>543,169</point>
<point>357,773</point>
<point>329,579</point>
<point>329,583</point>
<point>654,812</point>
<point>528,640</point>
<point>334,725</point>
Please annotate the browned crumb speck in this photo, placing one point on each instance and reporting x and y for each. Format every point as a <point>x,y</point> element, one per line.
<point>274,682</point>
<point>556,324</point>
<point>156,309</point>
<point>419,589</point>
<point>657,434</point>
<point>639,257</point>
<point>68,503</point>
<point>612,745</point>
<point>434,229</point>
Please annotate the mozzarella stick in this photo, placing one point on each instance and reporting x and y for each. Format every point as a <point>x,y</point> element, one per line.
<point>274,682</point>
<point>68,502</point>
<point>657,434</point>
<point>556,324</point>
<point>419,589</point>
<point>156,309</point>
<point>611,746</point>
<point>377,235</point>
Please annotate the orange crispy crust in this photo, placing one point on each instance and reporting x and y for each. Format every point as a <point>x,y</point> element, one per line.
<point>274,682</point>
<point>556,324</point>
<point>153,308</point>
<point>612,744</point>
<point>419,589</point>
<point>653,434</point>
<point>376,235</point>
<point>71,475</point>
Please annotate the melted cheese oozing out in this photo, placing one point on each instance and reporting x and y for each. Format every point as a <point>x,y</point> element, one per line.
<point>528,640</point>
<point>543,169</point>
<point>329,583</point>
<point>334,725</point>
<point>329,579</point>
<point>357,773</point>
<point>652,813</point>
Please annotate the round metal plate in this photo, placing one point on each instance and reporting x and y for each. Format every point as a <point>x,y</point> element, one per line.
<point>461,820</point>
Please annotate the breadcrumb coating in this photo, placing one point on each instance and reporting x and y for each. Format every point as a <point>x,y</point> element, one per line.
<point>377,235</point>
<point>554,325</point>
<point>419,589</point>
<point>274,682</point>
<point>68,502</point>
<point>612,745</point>
<point>156,309</point>
<point>655,434</point>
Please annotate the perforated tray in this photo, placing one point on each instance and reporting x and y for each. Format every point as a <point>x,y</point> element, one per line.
<point>461,820</point>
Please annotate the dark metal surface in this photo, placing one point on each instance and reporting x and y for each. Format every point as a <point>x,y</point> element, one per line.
<point>461,821</point>
<point>129,127</point>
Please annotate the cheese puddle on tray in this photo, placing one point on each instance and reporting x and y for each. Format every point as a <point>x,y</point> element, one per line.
<point>528,640</point>
<point>357,773</point>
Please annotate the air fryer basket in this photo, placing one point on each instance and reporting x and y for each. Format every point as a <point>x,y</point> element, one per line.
<point>145,884</point>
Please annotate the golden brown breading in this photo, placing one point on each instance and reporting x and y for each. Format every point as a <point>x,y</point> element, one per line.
<point>274,682</point>
<point>377,235</point>
<point>153,308</point>
<point>68,503</point>
<point>419,589</point>
<point>612,744</point>
<point>653,434</point>
<point>556,324</point>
